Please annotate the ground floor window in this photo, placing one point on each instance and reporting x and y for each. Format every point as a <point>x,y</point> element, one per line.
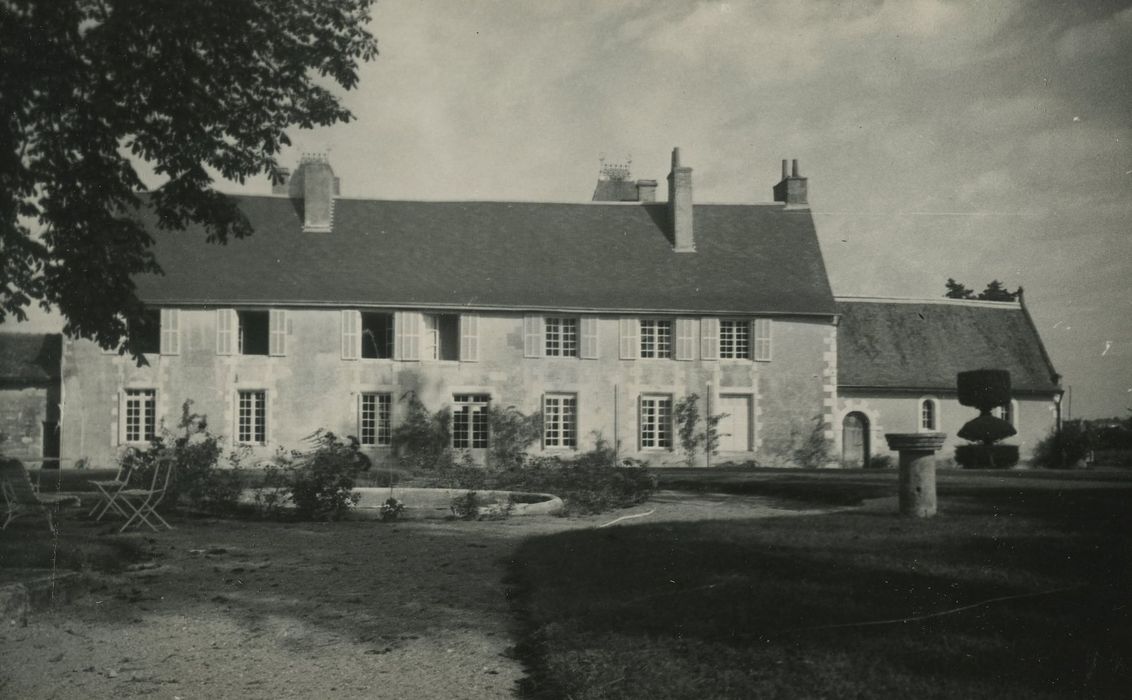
<point>1005,412</point>
<point>469,421</point>
<point>141,415</point>
<point>560,420</point>
<point>656,421</point>
<point>929,414</point>
<point>251,426</point>
<point>376,420</point>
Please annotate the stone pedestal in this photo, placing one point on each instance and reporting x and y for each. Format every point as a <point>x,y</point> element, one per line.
<point>917,471</point>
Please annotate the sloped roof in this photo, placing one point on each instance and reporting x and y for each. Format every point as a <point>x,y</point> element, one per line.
<point>604,257</point>
<point>923,344</point>
<point>29,357</point>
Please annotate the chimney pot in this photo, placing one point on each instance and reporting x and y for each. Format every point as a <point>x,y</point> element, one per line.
<point>785,170</point>
<point>793,189</point>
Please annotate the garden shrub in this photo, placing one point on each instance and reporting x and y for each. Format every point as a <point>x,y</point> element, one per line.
<point>814,449</point>
<point>1072,447</point>
<point>421,441</point>
<point>322,479</point>
<point>881,462</point>
<point>687,415</point>
<point>979,456</point>
<point>512,432</point>
<point>466,506</point>
<point>195,452</point>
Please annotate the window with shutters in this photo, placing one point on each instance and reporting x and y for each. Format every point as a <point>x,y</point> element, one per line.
<point>656,338</point>
<point>470,421</point>
<point>560,420</point>
<point>734,340</point>
<point>1007,412</point>
<point>561,336</point>
<point>253,334</point>
<point>251,420</point>
<point>440,337</point>
<point>656,422</point>
<point>140,415</point>
<point>375,420</point>
<point>377,335</point>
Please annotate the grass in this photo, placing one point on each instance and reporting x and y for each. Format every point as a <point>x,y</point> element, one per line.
<point>841,605</point>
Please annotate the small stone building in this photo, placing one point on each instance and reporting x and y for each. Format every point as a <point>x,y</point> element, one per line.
<point>897,366</point>
<point>30,395</point>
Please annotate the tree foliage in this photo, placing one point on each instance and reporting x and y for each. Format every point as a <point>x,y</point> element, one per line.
<point>91,88</point>
<point>995,291</point>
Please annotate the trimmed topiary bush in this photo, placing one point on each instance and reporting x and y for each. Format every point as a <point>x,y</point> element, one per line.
<point>984,388</point>
<point>986,456</point>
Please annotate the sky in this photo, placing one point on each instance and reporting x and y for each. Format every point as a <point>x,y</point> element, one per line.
<point>967,139</point>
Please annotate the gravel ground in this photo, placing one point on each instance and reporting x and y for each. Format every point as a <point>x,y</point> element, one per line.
<point>224,609</point>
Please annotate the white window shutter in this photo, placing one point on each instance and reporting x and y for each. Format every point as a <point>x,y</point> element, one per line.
<point>469,338</point>
<point>407,335</point>
<point>277,338</point>
<point>685,339</point>
<point>630,338</point>
<point>589,350</point>
<point>225,331</point>
<point>709,338</point>
<point>532,335</point>
<point>351,334</point>
<point>170,332</point>
<point>760,332</point>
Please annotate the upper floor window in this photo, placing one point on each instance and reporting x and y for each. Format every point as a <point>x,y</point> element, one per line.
<point>734,340</point>
<point>377,335</point>
<point>470,421</point>
<point>146,333</point>
<point>656,338</point>
<point>253,333</point>
<point>929,414</point>
<point>561,336</point>
<point>141,415</point>
<point>440,337</point>
<point>375,419</point>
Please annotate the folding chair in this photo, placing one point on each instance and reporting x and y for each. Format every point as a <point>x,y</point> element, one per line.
<point>108,491</point>
<point>21,499</point>
<point>144,502</point>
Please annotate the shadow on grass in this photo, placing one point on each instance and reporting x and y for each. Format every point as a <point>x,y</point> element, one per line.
<point>772,608</point>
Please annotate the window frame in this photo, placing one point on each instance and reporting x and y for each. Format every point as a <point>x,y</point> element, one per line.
<point>382,429</point>
<point>147,421</point>
<point>565,431</point>
<point>656,338</point>
<point>933,403</point>
<point>256,428</point>
<point>662,437</point>
<point>744,325</point>
<point>475,405</point>
<point>559,333</point>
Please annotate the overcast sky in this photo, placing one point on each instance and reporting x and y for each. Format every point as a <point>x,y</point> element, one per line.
<point>974,140</point>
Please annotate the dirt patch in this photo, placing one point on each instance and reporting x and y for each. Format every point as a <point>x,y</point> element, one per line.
<point>218,608</point>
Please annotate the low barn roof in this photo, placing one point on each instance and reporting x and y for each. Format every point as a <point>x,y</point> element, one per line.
<point>29,357</point>
<point>924,344</point>
<point>604,257</point>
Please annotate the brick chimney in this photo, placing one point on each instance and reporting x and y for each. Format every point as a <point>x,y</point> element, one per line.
<point>680,205</point>
<point>314,183</point>
<point>792,188</point>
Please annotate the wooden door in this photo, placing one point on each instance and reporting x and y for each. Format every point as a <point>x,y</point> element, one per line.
<point>855,440</point>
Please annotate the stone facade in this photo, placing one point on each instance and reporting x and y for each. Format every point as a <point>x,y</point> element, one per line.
<point>311,386</point>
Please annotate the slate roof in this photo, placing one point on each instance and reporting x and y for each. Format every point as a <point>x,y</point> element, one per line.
<point>923,344</point>
<point>756,259</point>
<point>30,357</point>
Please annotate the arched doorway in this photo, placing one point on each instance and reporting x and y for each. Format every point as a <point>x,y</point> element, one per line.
<point>855,440</point>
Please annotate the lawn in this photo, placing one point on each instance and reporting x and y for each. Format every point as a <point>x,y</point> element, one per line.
<point>1019,588</point>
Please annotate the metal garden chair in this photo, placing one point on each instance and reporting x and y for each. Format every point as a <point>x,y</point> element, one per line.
<point>21,499</point>
<point>143,502</point>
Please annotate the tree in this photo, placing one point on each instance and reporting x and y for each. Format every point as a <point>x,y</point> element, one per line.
<point>995,291</point>
<point>88,88</point>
